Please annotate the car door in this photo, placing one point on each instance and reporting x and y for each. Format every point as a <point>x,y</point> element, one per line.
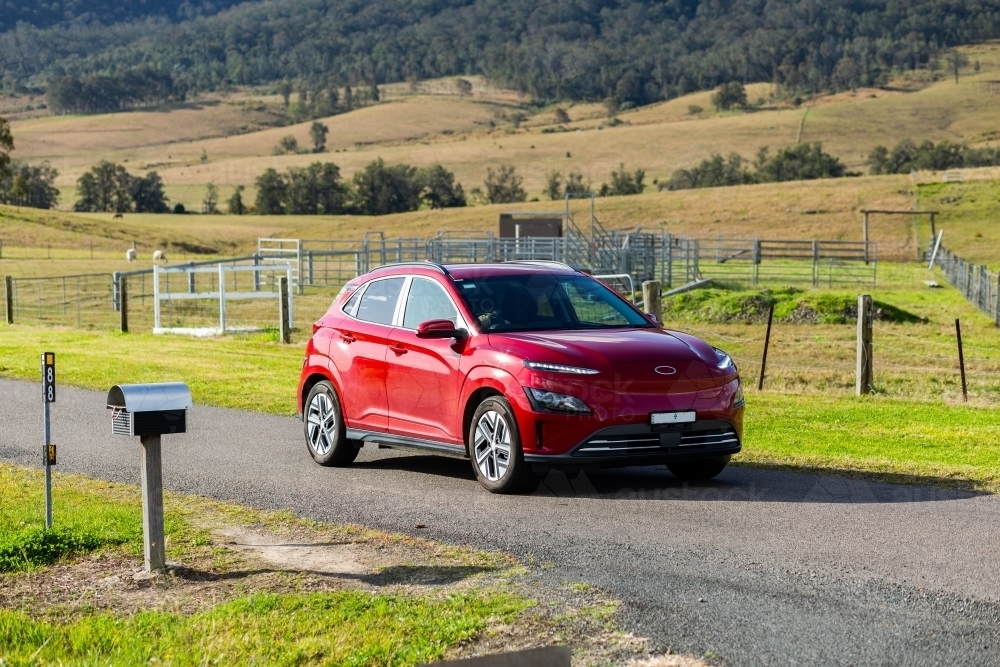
<point>422,375</point>
<point>359,348</point>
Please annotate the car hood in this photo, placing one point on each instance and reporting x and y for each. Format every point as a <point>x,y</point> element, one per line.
<point>604,349</point>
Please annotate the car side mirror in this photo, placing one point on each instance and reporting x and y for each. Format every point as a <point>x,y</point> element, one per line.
<point>439,329</point>
<point>652,318</point>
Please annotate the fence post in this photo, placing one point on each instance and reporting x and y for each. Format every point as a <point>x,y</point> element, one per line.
<point>222,298</point>
<point>123,302</point>
<point>961,359</point>
<point>284,330</point>
<point>815,263</point>
<point>156,297</point>
<point>115,297</point>
<point>996,305</point>
<point>651,303</point>
<point>256,273</point>
<point>8,282</point>
<point>863,384</point>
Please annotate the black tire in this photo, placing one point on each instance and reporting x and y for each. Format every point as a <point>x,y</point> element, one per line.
<point>323,425</point>
<point>497,456</point>
<point>698,470</point>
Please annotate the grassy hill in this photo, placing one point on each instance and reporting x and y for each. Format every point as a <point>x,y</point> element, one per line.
<point>424,125</point>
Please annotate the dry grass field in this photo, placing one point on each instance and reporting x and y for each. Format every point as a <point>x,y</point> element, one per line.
<point>430,122</point>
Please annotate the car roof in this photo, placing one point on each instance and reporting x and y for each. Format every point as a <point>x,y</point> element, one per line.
<point>479,270</point>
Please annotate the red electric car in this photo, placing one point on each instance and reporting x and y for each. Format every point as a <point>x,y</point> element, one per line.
<point>520,367</point>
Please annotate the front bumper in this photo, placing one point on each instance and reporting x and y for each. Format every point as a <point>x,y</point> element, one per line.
<point>642,444</point>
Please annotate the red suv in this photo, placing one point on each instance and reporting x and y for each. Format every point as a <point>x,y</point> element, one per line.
<point>520,367</point>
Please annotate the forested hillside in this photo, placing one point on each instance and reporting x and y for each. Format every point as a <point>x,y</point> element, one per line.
<point>636,51</point>
<point>45,13</point>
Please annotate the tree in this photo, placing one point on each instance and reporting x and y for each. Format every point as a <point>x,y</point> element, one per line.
<point>503,186</point>
<point>285,90</point>
<point>714,172</point>
<point>6,146</point>
<point>236,206</point>
<point>287,144</point>
<point>272,190</point>
<point>438,188</point>
<point>318,133</point>
<point>553,185</point>
<point>730,95</point>
<point>575,184</point>
<point>348,98</point>
<point>624,183</point>
<point>380,189</point>
<point>956,61</point>
<point>35,189</point>
<point>147,194</point>
<point>210,204</point>
<point>561,115</point>
<point>373,92</point>
<point>798,163</point>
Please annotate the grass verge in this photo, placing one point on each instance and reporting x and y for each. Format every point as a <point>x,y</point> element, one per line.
<point>342,628</point>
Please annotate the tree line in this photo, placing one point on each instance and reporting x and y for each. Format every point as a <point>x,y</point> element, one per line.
<point>794,163</point>
<point>907,155</point>
<point>631,51</point>
<point>378,189</point>
<point>103,93</point>
<point>108,187</point>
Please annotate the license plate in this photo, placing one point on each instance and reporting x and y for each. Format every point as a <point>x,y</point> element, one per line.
<point>660,418</point>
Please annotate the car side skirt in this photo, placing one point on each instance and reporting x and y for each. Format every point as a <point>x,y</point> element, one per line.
<point>411,444</point>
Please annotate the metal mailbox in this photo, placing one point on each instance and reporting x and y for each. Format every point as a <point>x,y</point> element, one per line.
<point>149,409</point>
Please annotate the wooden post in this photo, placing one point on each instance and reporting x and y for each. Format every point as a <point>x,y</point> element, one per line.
<point>8,283</point>
<point>152,505</point>
<point>123,302</point>
<point>961,359</point>
<point>864,225</point>
<point>996,308</point>
<point>767,344</point>
<point>864,379</point>
<point>283,328</point>
<point>651,303</point>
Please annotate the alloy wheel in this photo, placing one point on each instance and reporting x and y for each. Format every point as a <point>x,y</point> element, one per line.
<point>322,421</point>
<point>492,445</point>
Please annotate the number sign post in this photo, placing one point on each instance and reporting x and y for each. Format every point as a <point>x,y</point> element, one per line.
<point>48,449</point>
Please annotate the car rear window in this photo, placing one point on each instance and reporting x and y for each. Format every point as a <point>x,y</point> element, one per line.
<point>378,303</point>
<point>546,301</point>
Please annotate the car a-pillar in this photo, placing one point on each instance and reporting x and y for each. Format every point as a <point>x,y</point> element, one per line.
<point>150,411</point>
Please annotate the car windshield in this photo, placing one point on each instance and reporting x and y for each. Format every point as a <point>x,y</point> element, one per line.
<point>546,301</point>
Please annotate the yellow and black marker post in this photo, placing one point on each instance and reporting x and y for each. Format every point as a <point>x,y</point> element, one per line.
<point>48,449</point>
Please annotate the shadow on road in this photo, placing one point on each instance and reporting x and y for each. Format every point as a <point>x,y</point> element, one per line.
<point>395,575</point>
<point>735,484</point>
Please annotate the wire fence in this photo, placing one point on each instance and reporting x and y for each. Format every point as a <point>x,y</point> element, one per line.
<point>979,285</point>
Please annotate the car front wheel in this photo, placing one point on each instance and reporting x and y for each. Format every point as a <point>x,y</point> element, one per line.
<point>698,470</point>
<point>495,448</point>
<point>326,434</point>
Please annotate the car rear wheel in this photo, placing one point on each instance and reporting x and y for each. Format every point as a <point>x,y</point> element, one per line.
<point>495,449</point>
<point>326,434</point>
<point>701,469</point>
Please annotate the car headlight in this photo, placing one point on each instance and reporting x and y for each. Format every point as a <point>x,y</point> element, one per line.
<point>738,400</point>
<point>723,361</point>
<point>553,402</point>
<point>559,368</point>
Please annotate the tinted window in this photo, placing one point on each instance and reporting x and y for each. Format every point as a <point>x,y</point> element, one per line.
<point>545,301</point>
<point>427,300</point>
<point>378,303</point>
<point>352,302</point>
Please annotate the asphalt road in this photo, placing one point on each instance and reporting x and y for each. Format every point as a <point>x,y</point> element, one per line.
<point>756,567</point>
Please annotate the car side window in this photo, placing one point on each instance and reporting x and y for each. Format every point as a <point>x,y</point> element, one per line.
<point>378,303</point>
<point>427,300</point>
<point>352,303</point>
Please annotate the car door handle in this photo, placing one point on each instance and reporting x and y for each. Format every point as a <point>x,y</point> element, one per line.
<point>347,338</point>
<point>398,349</point>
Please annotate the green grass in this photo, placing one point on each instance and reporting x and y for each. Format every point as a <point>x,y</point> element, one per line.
<point>968,217</point>
<point>86,522</point>
<point>790,305</point>
<point>892,439</point>
<point>246,372</point>
<point>344,628</point>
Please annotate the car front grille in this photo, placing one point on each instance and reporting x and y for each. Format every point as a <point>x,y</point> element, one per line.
<point>626,441</point>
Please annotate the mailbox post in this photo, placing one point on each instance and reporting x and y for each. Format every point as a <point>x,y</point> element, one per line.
<point>149,411</point>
